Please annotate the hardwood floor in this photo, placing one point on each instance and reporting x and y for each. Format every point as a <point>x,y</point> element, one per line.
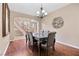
<point>19,48</point>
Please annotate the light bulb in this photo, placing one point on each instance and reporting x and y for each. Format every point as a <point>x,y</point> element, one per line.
<point>38,12</point>
<point>43,11</point>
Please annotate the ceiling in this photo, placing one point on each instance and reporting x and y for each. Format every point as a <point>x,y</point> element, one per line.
<point>31,8</point>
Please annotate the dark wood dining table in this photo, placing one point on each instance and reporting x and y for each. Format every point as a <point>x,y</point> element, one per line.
<point>39,37</point>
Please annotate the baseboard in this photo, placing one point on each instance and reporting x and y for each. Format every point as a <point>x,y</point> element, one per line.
<point>6,49</point>
<point>68,44</point>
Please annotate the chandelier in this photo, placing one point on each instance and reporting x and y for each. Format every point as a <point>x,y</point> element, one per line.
<point>41,13</point>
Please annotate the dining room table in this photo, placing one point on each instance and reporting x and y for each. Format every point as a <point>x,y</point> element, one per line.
<point>40,36</point>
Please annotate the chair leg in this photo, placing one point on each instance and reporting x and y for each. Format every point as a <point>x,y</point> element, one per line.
<point>54,47</point>
<point>26,42</point>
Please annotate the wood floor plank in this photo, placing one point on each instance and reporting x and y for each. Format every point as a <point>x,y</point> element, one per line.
<point>20,48</point>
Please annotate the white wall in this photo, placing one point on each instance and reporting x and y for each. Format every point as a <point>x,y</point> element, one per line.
<point>69,33</point>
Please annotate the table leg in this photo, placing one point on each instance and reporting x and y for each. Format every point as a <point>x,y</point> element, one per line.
<point>39,50</point>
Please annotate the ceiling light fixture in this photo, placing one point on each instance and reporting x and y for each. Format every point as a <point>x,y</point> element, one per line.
<point>41,13</point>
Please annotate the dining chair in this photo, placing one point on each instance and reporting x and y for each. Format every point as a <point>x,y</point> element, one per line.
<point>51,40</point>
<point>32,40</point>
<point>49,45</point>
<point>26,36</point>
